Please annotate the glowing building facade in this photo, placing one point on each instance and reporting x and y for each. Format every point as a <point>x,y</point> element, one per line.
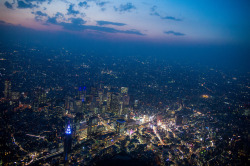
<point>67,142</point>
<point>120,126</point>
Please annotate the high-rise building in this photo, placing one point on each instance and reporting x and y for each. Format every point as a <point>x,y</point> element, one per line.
<point>78,105</point>
<point>7,89</point>
<point>121,108</point>
<point>125,96</point>
<point>115,103</point>
<point>81,93</point>
<point>120,126</point>
<point>136,103</point>
<point>108,100</point>
<point>100,95</point>
<point>92,126</point>
<point>67,142</point>
<point>125,99</point>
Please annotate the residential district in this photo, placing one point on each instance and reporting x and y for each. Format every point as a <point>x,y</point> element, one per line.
<point>45,121</point>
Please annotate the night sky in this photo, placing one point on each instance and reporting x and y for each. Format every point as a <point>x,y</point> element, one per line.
<point>166,20</point>
<point>199,27</point>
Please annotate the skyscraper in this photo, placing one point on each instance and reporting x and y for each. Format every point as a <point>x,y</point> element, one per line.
<point>92,126</point>
<point>67,142</point>
<point>120,126</point>
<point>109,100</point>
<point>115,103</point>
<point>121,108</point>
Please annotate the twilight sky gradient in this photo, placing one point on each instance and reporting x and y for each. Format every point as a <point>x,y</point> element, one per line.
<point>184,21</point>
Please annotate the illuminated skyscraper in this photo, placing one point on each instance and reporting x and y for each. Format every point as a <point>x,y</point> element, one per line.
<point>125,100</point>
<point>121,108</point>
<point>120,126</point>
<point>81,93</point>
<point>136,103</point>
<point>115,103</point>
<point>92,126</point>
<point>67,142</point>
<point>108,100</point>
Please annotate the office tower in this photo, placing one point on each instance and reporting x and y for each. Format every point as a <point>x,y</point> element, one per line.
<point>120,126</point>
<point>115,103</point>
<point>108,100</point>
<point>81,93</point>
<point>92,126</point>
<point>124,96</point>
<point>121,108</point>
<point>78,105</point>
<point>125,100</point>
<point>136,103</point>
<point>100,95</point>
<point>69,103</point>
<point>67,142</point>
<point>7,89</point>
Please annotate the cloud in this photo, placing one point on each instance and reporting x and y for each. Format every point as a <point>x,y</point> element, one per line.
<point>134,32</point>
<point>39,16</point>
<point>110,23</point>
<point>8,5</point>
<point>39,13</point>
<point>71,10</point>
<point>2,22</point>
<point>83,4</point>
<point>170,18</point>
<point>38,1</point>
<point>52,20</point>
<point>174,33</point>
<point>101,4</point>
<point>125,8</point>
<point>59,15</point>
<point>113,30</point>
<point>155,13</point>
<point>23,5</point>
<point>77,24</point>
<point>77,21</point>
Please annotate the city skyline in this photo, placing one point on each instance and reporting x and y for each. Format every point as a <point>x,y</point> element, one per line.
<point>128,83</point>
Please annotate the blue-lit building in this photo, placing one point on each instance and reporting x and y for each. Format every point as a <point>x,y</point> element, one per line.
<point>120,126</point>
<point>67,142</point>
